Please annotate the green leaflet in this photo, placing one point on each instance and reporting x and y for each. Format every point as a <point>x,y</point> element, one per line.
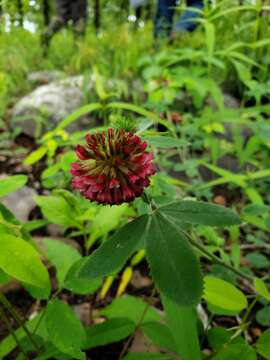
<point>174,267</point>
<point>65,330</point>
<point>200,213</point>
<point>19,259</point>
<point>112,254</point>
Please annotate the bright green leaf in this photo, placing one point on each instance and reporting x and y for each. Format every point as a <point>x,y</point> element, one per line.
<point>66,331</point>
<point>57,210</point>
<point>222,294</point>
<point>37,292</point>
<point>11,184</point>
<point>35,156</point>
<point>20,260</point>
<point>108,332</point>
<point>62,256</point>
<point>261,288</point>
<point>8,344</point>
<point>106,219</point>
<point>132,308</point>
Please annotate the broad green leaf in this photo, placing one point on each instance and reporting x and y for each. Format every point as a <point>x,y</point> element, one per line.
<point>182,322</point>
<point>236,352</point>
<point>11,184</point>
<point>8,344</point>
<point>66,331</point>
<point>107,219</point>
<point>37,292</point>
<point>147,356</point>
<point>132,308</point>
<point>218,336</point>
<point>243,72</point>
<point>174,267</point>
<point>62,256</point>
<point>200,213</point>
<point>263,316</point>
<point>159,334</point>
<point>34,225</point>
<point>256,209</point>
<point>113,253</point>
<point>35,156</point>
<point>7,215</point>
<point>49,352</point>
<point>20,260</point>
<point>257,260</point>
<point>108,332</point>
<point>222,294</point>
<point>261,288</point>
<point>4,278</point>
<point>57,210</point>
<point>79,285</point>
<point>215,310</point>
<point>263,345</point>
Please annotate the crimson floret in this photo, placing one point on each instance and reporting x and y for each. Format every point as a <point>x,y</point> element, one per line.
<point>113,167</point>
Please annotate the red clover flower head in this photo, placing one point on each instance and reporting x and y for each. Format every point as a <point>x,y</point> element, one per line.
<point>113,167</point>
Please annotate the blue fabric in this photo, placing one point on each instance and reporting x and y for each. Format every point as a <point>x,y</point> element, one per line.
<point>186,23</point>
<point>165,13</point>
<point>164,17</point>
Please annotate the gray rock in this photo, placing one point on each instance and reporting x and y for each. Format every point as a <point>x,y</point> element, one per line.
<point>44,77</point>
<point>55,230</point>
<point>83,312</point>
<point>52,103</point>
<point>139,281</point>
<point>21,203</point>
<point>230,101</point>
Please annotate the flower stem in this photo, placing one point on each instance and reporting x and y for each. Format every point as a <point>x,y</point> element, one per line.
<point>147,199</point>
<point>4,319</point>
<point>128,342</point>
<point>7,305</point>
